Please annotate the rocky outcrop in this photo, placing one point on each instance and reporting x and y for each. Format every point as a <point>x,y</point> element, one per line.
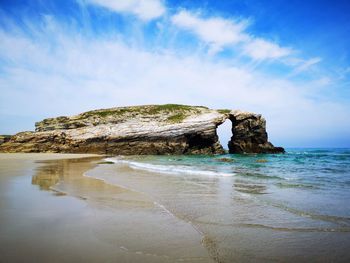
<point>249,134</point>
<point>4,138</point>
<point>151,129</point>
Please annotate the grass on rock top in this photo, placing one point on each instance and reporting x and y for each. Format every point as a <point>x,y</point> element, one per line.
<point>179,112</point>
<point>224,111</point>
<point>176,118</point>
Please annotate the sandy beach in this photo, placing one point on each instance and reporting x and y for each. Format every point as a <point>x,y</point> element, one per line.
<point>75,208</point>
<point>51,212</point>
<point>163,131</point>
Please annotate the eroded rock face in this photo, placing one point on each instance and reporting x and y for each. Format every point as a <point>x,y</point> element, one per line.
<point>249,134</point>
<point>4,138</point>
<point>152,129</point>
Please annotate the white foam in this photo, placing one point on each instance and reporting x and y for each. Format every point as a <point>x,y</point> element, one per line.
<point>167,169</point>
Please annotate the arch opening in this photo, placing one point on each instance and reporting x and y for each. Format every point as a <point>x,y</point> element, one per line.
<point>224,132</point>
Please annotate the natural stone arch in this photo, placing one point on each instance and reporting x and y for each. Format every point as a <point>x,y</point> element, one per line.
<point>249,134</point>
<point>147,129</point>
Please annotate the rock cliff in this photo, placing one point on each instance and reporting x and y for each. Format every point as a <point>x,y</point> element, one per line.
<point>150,129</point>
<point>249,134</point>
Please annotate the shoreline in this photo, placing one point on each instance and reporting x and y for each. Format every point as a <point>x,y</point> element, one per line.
<point>46,156</point>
<point>93,221</point>
<point>100,211</point>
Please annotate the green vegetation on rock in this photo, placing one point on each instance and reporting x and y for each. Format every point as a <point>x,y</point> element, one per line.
<point>104,113</point>
<point>224,111</point>
<point>179,110</point>
<point>155,109</point>
<point>176,118</point>
<point>166,113</point>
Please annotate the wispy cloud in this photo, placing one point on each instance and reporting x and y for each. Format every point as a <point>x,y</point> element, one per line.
<point>220,33</point>
<point>107,72</point>
<point>49,63</point>
<point>144,9</point>
<point>260,49</point>
<point>304,65</point>
<point>217,32</point>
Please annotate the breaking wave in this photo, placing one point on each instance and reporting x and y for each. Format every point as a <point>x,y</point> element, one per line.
<point>168,169</point>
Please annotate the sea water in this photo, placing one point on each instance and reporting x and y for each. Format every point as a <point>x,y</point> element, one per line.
<point>266,207</point>
<point>314,180</point>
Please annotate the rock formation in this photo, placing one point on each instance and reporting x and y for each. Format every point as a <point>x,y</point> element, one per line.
<point>4,138</point>
<point>249,134</point>
<point>150,129</point>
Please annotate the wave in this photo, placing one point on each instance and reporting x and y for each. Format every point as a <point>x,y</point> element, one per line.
<point>339,220</point>
<point>319,153</point>
<point>258,175</point>
<point>297,185</point>
<point>168,169</point>
<point>277,228</point>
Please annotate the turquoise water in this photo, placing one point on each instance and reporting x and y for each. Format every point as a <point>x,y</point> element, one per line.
<point>291,207</point>
<point>312,182</point>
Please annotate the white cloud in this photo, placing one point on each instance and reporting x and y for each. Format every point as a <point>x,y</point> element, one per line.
<point>304,65</point>
<point>220,33</point>
<point>47,79</point>
<point>216,31</point>
<point>260,49</point>
<point>144,9</point>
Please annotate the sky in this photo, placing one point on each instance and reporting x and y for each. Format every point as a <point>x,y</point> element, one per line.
<point>287,60</point>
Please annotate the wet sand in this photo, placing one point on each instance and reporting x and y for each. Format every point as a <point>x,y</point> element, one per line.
<point>235,216</point>
<point>51,212</point>
<point>70,208</point>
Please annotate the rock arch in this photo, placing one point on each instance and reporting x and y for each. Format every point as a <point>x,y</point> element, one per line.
<point>249,134</point>
<point>147,129</point>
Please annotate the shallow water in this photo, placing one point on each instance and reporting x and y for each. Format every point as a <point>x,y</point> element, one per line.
<point>229,208</point>
<point>286,207</point>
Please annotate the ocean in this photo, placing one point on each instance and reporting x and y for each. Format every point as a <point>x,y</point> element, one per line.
<point>274,207</point>
<point>291,207</point>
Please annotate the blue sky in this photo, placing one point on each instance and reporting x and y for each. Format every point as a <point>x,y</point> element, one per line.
<point>288,60</point>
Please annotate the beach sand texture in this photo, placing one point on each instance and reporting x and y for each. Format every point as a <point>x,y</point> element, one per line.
<point>83,219</point>
<point>70,208</point>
